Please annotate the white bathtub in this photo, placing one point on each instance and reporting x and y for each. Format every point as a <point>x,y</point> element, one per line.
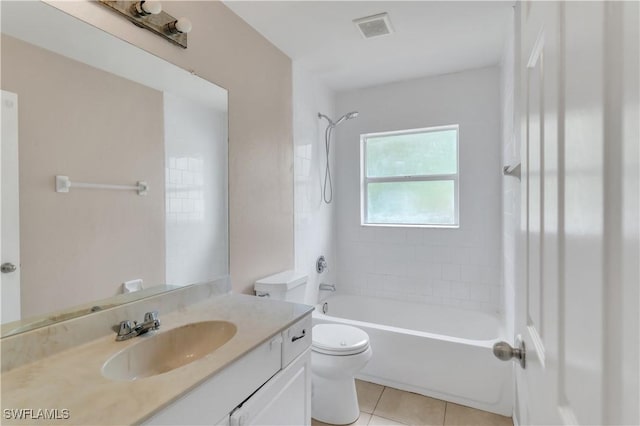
<point>436,351</point>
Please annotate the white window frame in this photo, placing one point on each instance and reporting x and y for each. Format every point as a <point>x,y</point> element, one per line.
<point>364,180</point>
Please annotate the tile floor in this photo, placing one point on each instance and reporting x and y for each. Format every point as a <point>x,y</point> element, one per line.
<point>385,406</point>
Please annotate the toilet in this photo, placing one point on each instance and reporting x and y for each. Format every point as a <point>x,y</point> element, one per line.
<point>338,352</point>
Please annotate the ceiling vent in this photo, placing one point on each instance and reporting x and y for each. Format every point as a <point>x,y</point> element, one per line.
<point>374,26</point>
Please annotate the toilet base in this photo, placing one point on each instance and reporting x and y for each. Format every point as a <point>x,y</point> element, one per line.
<point>334,401</point>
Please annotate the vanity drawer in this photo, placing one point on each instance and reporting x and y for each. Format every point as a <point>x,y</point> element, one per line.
<point>296,338</point>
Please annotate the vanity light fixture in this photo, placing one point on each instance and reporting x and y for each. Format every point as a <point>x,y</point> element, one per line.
<point>148,14</point>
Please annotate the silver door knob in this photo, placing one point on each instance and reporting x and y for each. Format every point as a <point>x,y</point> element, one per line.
<point>8,268</point>
<point>503,351</point>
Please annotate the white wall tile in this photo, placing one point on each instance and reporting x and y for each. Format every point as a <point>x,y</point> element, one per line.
<point>480,292</point>
<point>442,288</point>
<point>469,273</point>
<point>459,290</point>
<point>451,272</point>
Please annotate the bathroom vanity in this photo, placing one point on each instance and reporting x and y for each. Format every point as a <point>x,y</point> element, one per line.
<point>261,375</point>
<point>269,385</point>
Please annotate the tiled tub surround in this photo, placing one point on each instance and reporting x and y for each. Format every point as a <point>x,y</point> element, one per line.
<point>431,266</point>
<point>440,351</point>
<point>458,267</point>
<point>72,378</point>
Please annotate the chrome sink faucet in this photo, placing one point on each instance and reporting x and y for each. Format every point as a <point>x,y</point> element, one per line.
<point>129,329</point>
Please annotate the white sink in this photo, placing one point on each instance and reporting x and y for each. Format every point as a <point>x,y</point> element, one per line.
<point>168,350</point>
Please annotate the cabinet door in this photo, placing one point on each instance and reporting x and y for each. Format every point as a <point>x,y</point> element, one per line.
<point>284,400</point>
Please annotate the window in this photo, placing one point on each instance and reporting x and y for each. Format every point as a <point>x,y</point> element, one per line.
<point>410,178</point>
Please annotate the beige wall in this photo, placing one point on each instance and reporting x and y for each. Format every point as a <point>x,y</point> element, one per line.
<point>76,120</point>
<point>227,51</point>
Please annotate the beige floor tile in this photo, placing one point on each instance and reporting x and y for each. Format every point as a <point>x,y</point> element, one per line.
<point>410,408</point>
<point>363,420</point>
<point>459,415</point>
<point>315,422</point>
<point>381,421</point>
<point>368,395</point>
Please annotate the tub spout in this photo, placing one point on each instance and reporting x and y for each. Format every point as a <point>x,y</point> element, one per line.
<point>327,287</point>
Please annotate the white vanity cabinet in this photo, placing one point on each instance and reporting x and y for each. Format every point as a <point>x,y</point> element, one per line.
<point>271,385</point>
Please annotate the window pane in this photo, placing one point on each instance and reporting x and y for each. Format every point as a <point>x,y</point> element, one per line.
<point>426,202</point>
<point>428,153</point>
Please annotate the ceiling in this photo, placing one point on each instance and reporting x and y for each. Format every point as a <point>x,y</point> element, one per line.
<point>430,38</point>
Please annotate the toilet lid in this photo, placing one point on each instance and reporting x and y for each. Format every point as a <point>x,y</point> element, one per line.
<point>338,339</point>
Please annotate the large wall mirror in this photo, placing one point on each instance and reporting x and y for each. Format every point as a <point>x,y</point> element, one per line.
<point>80,103</point>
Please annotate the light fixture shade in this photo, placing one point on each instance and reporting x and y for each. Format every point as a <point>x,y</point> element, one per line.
<point>152,7</point>
<point>184,25</point>
<point>179,26</point>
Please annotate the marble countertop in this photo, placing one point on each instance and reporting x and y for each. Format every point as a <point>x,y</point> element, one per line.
<point>72,380</point>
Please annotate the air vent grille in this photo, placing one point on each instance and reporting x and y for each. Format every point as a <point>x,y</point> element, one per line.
<point>374,26</point>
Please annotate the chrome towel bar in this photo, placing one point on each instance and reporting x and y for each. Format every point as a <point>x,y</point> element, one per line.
<point>63,184</point>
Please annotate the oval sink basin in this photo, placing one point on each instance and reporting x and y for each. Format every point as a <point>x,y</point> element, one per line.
<point>168,350</point>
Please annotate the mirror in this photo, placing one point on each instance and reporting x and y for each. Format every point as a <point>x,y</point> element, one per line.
<point>81,103</point>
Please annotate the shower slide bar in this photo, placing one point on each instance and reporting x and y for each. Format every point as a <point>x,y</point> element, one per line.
<point>512,170</point>
<point>63,184</point>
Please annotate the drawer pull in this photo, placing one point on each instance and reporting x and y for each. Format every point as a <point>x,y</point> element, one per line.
<point>294,338</point>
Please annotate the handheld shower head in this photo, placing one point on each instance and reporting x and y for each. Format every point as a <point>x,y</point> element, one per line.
<point>347,116</point>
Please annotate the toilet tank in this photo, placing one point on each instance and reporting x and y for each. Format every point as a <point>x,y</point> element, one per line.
<point>288,285</point>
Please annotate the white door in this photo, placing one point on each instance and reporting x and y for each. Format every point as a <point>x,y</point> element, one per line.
<point>577,285</point>
<point>10,227</point>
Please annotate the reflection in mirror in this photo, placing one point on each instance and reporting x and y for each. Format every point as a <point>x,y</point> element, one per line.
<point>79,102</point>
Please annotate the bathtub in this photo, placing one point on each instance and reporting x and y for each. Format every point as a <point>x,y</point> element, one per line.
<point>440,352</point>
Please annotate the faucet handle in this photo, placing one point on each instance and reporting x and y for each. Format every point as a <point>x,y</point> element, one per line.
<point>125,328</point>
<point>151,316</point>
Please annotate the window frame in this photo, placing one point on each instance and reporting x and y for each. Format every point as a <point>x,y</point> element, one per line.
<point>364,180</point>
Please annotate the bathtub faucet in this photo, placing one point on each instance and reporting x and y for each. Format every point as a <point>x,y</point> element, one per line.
<point>328,287</point>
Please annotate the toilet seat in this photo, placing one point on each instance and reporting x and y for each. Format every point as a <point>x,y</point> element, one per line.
<point>339,340</point>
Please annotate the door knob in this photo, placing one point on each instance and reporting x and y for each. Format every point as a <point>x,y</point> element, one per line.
<point>8,268</point>
<point>504,351</point>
